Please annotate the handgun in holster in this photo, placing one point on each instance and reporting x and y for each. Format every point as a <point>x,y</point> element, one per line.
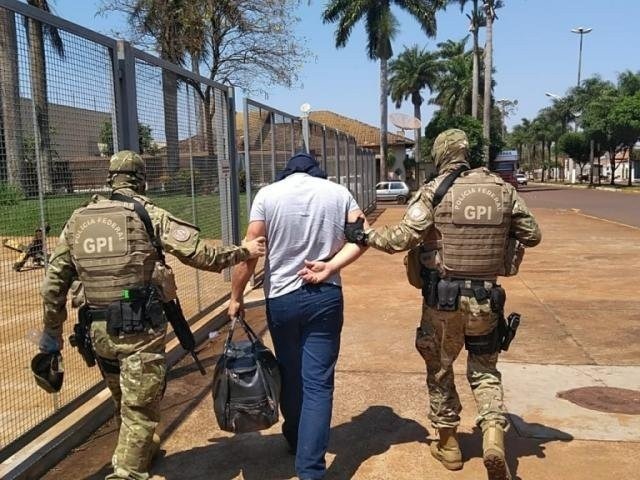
<point>430,279</point>
<point>510,328</point>
<point>81,337</point>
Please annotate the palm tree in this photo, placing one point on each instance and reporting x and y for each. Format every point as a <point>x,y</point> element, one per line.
<point>490,7</point>
<point>411,72</point>
<point>454,86</point>
<point>381,26</point>
<point>477,20</point>
<point>165,22</point>
<point>10,119</point>
<point>36,32</point>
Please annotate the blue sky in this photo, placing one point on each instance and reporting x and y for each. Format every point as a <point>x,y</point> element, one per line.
<point>535,52</point>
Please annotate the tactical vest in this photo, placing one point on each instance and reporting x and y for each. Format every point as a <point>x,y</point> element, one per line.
<point>110,249</point>
<point>473,223</point>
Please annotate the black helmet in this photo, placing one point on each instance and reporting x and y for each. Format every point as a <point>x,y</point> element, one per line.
<point>48,372</point>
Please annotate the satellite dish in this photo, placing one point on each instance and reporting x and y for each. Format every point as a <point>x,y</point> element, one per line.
<point>404,121</point>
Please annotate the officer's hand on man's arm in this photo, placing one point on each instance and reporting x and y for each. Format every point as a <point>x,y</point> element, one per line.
<point>256,247</point>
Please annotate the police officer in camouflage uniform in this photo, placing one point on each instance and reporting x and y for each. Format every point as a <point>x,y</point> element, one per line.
<point>476,232</point>
<point>106,247</point>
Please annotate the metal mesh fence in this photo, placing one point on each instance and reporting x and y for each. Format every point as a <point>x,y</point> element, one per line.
<point>56,105</point>
<point>61,116</point>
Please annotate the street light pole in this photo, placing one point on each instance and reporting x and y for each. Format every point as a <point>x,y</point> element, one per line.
<point>581,31</point>
<point>305,108</point>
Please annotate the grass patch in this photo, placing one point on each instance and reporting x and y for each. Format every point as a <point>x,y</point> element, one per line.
<point>23,217</point>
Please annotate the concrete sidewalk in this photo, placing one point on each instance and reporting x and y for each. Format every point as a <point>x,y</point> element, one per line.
<point>577,293</point>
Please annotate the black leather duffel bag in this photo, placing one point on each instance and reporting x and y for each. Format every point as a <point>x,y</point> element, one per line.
<point>246,384</point>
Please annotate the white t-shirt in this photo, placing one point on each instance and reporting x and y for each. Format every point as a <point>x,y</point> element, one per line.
<point>304,218</point>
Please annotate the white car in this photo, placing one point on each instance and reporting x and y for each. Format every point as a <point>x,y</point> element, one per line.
<point>521,178</point>
<point>392,190</point>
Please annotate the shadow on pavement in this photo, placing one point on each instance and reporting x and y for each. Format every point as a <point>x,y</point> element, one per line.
<point>516,445</point>
<point>539,189</point>
<point>369,434</point>
<point>265,457</point>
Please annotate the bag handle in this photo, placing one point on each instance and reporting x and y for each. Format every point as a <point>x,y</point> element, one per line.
<point>253,338</point>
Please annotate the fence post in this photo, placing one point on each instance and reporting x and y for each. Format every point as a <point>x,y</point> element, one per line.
<point>125,97</point>
<point>324,147</point>
<point>233,164</point>
<point>247,156</point>
<point>272,119</point>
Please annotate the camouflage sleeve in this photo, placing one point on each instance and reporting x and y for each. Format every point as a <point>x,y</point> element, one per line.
<point>58,278</point>
<point>523,224</point>
<point>409,232</point>
<point>182,240</point>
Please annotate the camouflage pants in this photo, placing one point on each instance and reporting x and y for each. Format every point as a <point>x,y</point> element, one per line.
<point>137,391</point>
<point>439,340</point>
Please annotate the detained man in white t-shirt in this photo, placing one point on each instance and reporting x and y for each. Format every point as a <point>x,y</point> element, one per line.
<point>303,216</point>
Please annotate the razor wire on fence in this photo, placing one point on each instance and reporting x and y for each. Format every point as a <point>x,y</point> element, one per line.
<point>63,111</point>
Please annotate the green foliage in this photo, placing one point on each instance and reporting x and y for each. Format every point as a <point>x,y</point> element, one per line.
<point>180,182</point>
<point>391,160</point>
<point>471,126</point>
<point>412,71</point>
<point>380,22</point>
<point>575,145</point>
<point>10,194</point>
<point>145,138</point>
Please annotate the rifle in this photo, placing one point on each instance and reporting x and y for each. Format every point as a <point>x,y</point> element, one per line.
<point>173,312</point>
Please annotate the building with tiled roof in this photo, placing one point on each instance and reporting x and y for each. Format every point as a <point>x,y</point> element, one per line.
<point>367,136</point>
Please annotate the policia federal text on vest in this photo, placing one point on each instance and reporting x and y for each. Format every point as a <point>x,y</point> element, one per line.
<point>444,294</point>
<point>139,307</point>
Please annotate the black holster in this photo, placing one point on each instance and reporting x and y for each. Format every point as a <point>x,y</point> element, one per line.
<point>139,310</point>
<point>493,341</point>
<point>81,337</point>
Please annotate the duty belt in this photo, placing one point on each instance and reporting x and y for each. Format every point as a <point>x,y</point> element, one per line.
<point>97,314</point>
<point>479,289</point>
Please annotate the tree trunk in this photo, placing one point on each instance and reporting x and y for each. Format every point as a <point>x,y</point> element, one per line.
<point>38,77</point>
<point>612,163</point>
<point>200,124</point>
<point>170,102</point>
<point>488,66</point>
<point>384,88</point>
<point>476,64</point>
<point>10,111</point>
<point>417,134</point>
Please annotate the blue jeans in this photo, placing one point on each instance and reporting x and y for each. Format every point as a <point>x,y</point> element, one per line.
<point>305,326</point>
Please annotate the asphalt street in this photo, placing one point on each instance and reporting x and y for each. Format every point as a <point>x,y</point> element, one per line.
<point>615,206</point>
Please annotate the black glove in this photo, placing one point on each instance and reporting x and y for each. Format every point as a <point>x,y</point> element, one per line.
<point>354,232</point>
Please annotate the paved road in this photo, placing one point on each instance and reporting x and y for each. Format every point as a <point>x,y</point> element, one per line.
<point>616,206</point>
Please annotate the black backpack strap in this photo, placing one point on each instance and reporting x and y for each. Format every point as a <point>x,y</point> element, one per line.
<point>144,217</point>
<point>444,187</point>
